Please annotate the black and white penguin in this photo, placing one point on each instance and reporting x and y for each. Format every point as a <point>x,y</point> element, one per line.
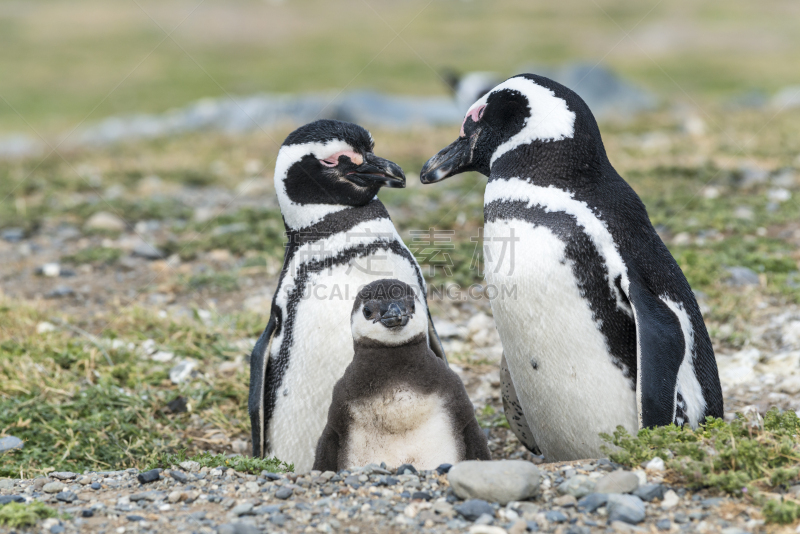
<point>340,238</point>
<point>397,402</point>
<point>598,323</point>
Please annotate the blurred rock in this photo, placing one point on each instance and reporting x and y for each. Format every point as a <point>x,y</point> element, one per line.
<point>59,292</point>
<point>787,98</point>
<point>103,220</point>
<point>8,443</point>
<point>13,235</point>
<point>147,251</point>
<point>182,371</point>
<point>741,276</point>
<point>19,146</point>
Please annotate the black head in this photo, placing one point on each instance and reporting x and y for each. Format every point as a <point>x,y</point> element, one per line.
<point>527,111</point>
<point>330,163</point>
<point>385,311</point>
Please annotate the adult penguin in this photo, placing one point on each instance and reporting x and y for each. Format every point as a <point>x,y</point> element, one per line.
<point>340,238</point>
<point>598,323</point>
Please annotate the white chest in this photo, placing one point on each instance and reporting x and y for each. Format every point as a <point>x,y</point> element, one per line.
<point>568,386</point>
<point>401,426</point>
<point>320,350</point>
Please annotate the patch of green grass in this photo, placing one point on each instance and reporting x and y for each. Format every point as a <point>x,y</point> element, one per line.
<point>95,255</point>
<point>75,411</point>
<point>781,511</point>
<point>239,463</point>
<point>213,281</point>
<point>488,417</point>
<point>737,457</point>
<point>21,515</point>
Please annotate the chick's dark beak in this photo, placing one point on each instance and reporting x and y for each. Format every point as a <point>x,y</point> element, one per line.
<point>377,171</point>
<point>396,314</point>
<point>451,160</point>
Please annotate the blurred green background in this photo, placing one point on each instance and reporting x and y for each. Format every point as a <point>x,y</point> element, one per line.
<point>65,61</point>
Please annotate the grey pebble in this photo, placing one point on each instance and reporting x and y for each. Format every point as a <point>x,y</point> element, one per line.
<point>663,524</point>
<point>554,516</point>
<point>278,520</point>
<point>5,499</point>
<point>592,502</point>
<point>63,475</point>
<point>95,486</point>
<point>578,486</point>
<point>681,518</point>
<point>180,476</point>
<point>617,482</point>
<point>284,493</point>
<point>500,481</point>
<point>66,496</point>
<point>59,291</point>
<point>53,487</point>
<point>649,492</point>
<point>147,251</point>
<point>267,510</point>
<point>473,509</point>
<point>148,476</point>
<point>242,509</point>
<point>13,235</point>
<point>741,276</point>
<point>626,508</point>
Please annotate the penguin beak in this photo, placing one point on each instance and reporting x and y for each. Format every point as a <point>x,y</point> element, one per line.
<point>451,160</point>
<point>377,171</point>
<point>395,315</point>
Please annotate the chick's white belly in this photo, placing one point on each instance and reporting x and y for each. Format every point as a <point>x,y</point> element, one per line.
<point>566,381</point>
<point>321,350</point>
<point>400,426</point>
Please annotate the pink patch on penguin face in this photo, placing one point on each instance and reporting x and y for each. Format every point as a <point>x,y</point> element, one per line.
<point>333,159</point>
<point>475,114</point>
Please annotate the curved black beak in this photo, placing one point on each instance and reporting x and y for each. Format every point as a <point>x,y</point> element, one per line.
<point>377,171</point>
<point>451,160</point>
<point>396,314</point>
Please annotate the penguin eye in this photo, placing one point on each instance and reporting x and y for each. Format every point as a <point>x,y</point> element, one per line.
<point>367,312</point>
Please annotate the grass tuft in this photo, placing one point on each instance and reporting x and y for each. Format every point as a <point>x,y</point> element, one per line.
<point>19,515</point>
<point>239,463</point>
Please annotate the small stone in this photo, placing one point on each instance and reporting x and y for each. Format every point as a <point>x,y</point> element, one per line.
<point>63,475</point>
<point>407,469</point>
<point>670,500</point>
<point>480,528</point>
<point>53,487</point>
<point>87,513</point>
<point>66,496</point>
<point>59,292</point>
<point>252,487</point>
<point>742,276</point>
<point>181,372</point>
<point>6,483</point>
<point>270,475</point>
<point>148,476</point>
<point>619,481</point>
<point>95,486</point>
<point>565,501</point>
<point>147,251</point>
<point>656,464</point>
<point>592,502</point>
<point>578,486</point>
<point>626,508</point>
<point>175,496</point>
<point>190,465</point>
<point>473,509</point>
<point>8,443</point>
<point>554,516</point>
<point>13,235</point>
<point>56,529</point>
<point>85,480</point>
<point>284,493</point>
<point>5,499</point>
<point>103,220</point>
<point>243,509</point>
<point>180,476</point>
<point>352,481</point>
<point>649,492</point>
<point>135,518</point>
<point>500,481</point>
<point>444,469</point>
<point>734,530</point>
<point>50,270</point>
<point>681,518</point>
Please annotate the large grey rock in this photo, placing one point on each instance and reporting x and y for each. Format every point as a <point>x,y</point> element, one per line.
<point>626,508</point>
<point>10,442</point>
<point>500,481</point>
<point>578,486</point>
<point>619,481</point>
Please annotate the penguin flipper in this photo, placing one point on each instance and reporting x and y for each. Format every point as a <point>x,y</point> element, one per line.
<point>434,341</point>
<point>513,409</point>
<point>476,444</point>
<point>259,361</point>
<point>659,352</point>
